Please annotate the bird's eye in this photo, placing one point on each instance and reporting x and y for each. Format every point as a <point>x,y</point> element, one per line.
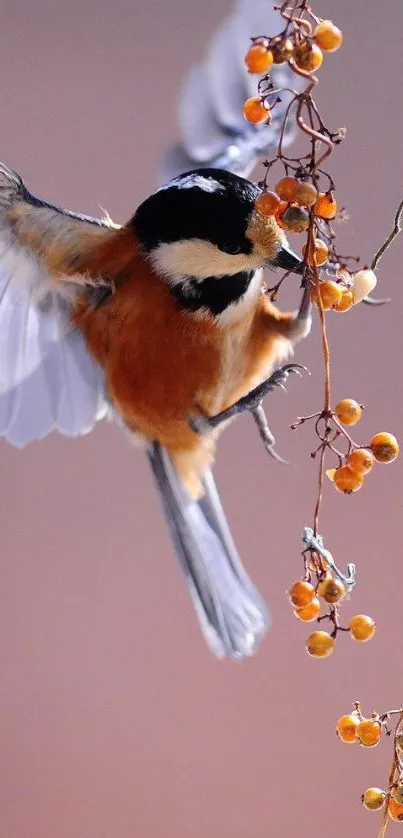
<point>230,247</point>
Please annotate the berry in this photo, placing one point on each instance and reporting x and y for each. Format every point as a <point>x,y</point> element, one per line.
<point>373,798</point>
<point>361,460</point>
<point>267,203</point>
<point>325,206</point>
<point>308,56</point>
<point>395,810</point>
<point>348,481</point>
<point>286,188</point>
<point>295,219</point>
<point>346,302</point>
<point>328,36</point>
<point>317,253</point>
<point>384,447</point>
<point>346,728</point>
<point>331,590</point>
<point>397,794</point>
<point>330,293</point>
<point>348,411</point>
<point>255,111</point>
<point>258,59</point>
<point>362,627</point>
<point>282,50</point>
<point>301,593</point>
<point>320,644</point>
<point>369,732</point>
<point>280,212</point>
<point>364,282</point>
<point>305,194</point>
<point>310,612</point>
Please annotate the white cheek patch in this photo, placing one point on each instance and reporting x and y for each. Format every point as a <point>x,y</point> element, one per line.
<point>201,259</point>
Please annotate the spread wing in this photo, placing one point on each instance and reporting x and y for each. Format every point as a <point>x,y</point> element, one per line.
<point>212,126</point>
<point>48,381</point>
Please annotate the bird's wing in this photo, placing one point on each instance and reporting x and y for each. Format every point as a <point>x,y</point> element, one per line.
<point>48,381</point>
<point>213,129</point>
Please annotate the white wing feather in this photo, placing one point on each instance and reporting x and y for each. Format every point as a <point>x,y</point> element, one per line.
<point>48,380</point>
<point>213,129</point>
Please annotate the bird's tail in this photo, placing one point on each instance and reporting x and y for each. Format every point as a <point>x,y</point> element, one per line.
<point>232,615</point>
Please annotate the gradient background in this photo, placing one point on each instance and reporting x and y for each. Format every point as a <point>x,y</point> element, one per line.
<point>115,718</point>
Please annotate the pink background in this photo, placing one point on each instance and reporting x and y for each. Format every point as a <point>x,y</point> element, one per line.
<point>115,719</point>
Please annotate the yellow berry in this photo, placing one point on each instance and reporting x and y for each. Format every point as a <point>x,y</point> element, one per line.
<point>328,36</point>
<point>348,411</point>
<point>362,627</point>
<point>305,194</point>
<point>346,728</point>
<point>295,219</point>
<point>286,188</point>
<point>361,460</point>
<point>384,447</point>
<point>258,59</point>
<point>329,292</point>
<point>348,481</point>
<point>309,612</point>
<point>331,590</point>
<point>308,56</point>
<point>373,798</point>
<point>267,203</point>
<point>301,593</point>
<point>317,253</point>
<point>346,302</point>
<point>256,111</point>
<point>369,732</point>
<point>325,206</point>
<point>320,644</point>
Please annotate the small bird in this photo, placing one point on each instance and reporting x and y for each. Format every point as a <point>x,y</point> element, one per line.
<point>164,324</point>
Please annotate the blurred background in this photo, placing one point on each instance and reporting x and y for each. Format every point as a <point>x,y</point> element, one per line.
<point>116,719</point>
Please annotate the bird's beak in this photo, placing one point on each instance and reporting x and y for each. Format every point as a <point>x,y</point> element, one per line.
<point>288,261</point>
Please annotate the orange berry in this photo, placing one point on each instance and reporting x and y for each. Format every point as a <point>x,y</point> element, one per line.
<point>346,728</point>
<point>325,206</point>
<point>346,480</point>
<point>301,593</point>
<point>328,36</point>
<point>361,460</point>
<point>395,810</point>
<point>397,795</point>
<point>348,411</point>
<point>286,188</point>
<point>369,732</point>
<point>267,203</point>
<point>362,627</point>
<point>384,447</point>
<point>310,612</point>
<point>317,254</point>
<point>255,111</point>
<point>280,212</point>
<point>258,59</point>
<point>330,294</point>
<point>346,302</point>
<point>319,644</point>
<point>305,194</point>
<point>308,56</point>
<point>282,49</point>
<point>331,590</point>
<point>295,219</point>
<point>373,799</point>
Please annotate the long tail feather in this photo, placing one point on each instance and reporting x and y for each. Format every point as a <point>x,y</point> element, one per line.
<point>232,615</point>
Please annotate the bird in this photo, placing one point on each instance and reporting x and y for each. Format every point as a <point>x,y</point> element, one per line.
<point>163,324</point>
<point>168,320</point>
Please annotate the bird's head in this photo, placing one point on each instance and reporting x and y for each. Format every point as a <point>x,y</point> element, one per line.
<point>203,226</point>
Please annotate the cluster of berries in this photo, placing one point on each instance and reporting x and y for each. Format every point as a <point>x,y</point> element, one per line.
<point>355,728</point>
<point>303,49</point>
<point>383,448</point>
<point>307,600</point>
